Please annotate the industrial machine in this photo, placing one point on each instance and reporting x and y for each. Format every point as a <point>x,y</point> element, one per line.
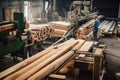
<point>10,37</point>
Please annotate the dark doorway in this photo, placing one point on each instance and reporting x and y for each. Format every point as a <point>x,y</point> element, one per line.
<point>108,8</point>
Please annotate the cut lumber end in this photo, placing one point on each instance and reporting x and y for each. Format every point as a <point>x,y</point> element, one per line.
<point>82,57</point>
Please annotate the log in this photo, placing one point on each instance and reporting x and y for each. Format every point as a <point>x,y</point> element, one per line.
<point>86,46</point>
<point>24,63</point>
<point>51,67</point>
<point>36,62</point>
<point>41,31</point>
<point>67,67</point>
<point>41,65</point>
<point>81,42</point>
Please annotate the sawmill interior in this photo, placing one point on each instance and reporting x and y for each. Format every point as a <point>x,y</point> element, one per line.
<point>56,40</point>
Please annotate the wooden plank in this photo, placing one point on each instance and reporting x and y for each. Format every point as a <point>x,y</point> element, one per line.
<point>57,76</point>
<point>112,27</point>
<point>82,56</point>
<point>60,25</point>
<point>58,32</point>
<point>102,23</point>
<point>97,63</point>
<point>103,26</point>
<point>108,26</point>
<point>86,46</point>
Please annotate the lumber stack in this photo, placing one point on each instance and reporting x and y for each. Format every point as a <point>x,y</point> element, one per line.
<point>41,31</point>
<point>108,26</point>
<point>86,31</point>
<point>44,63</point>
<point>60,28</point>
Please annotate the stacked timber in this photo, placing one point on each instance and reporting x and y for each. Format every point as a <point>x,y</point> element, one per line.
<point>44,63</point>
<point>60,28</point>
<point>41,31</point>
<point>108,26</point>
<point>86,31</point>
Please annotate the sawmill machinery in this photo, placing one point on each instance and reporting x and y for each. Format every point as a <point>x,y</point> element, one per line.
<point>76,17</point>
<point>10,37</point>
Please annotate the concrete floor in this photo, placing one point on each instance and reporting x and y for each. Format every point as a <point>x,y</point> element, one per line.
<point>112,56</point>
<point>7,61</point>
